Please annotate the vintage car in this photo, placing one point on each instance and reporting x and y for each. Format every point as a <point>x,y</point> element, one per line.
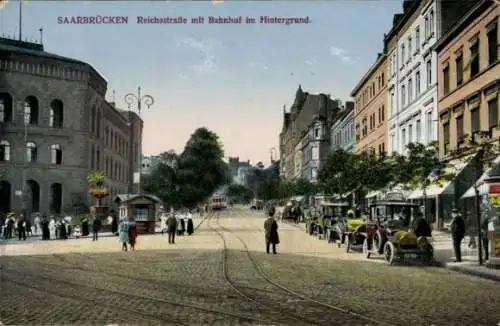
<point>391,236</point>
<point>354,231</point>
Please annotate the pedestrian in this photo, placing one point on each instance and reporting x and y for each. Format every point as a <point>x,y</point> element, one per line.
<point>163,223</point>
<point>44,225</point>
<point>271,230</point>
<point>471,229</point>
<point>123,233</point>
<point>484,237</point>
<point>179,225</point>
<point>63,230</point>
<point>457,227</point>
<point>132,234</point>
<point>85,226</point>
<point>21,228</point>
<point>36,224</point>
<point>114,224</point>
<point>28,229</point>
<point>52,228</point>
<point>11,222</point>
<point>171,228</point>
<point>190,226</point>
<point>96,227</point>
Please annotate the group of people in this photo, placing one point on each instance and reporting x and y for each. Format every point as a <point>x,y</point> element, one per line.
<point>11,226</point>
<point>127,233</point>
<point>174,224</point>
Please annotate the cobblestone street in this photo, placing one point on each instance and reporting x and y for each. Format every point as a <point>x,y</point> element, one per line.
<point>196,282</point>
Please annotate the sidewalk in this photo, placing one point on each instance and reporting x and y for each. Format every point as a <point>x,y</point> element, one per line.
<point>444,256</point>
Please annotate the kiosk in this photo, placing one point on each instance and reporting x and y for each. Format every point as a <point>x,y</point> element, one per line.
<point>141,207</point>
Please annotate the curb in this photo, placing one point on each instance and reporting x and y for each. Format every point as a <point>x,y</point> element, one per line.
<point>466,271</point>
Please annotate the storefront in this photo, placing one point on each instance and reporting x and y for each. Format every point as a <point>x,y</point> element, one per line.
<point>142,208</point>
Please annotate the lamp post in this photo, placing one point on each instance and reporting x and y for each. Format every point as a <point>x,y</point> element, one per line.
<point>138,99</point>
<point>24,190</point>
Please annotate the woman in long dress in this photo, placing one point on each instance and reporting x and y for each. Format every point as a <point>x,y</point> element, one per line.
<point>52,229</point>
<point>132,234</point>
<point>163,223</point>
<point>123,233</point>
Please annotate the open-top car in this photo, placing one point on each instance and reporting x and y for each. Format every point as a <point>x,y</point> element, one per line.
<point>390,234</point>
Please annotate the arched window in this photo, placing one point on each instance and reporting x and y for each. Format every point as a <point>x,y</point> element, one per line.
<point>31,152</point>
<point>56,154</point>
<point>56,114</point>
<point>4,151</point>
<point>5,107</point>
<point>31,110</point>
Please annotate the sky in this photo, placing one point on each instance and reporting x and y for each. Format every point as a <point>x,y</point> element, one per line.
<point>231,78</point>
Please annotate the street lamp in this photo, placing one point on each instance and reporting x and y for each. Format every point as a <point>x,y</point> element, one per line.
<point>138,99</point>
<point>24,191</point>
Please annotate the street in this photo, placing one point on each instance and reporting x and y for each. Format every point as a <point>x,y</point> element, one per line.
<point>197,282</point>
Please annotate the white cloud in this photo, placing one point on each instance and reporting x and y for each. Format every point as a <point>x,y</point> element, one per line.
<point>342,54</point>
<point>311,61</point>
<point>206,48</point>
<point>257,65</point>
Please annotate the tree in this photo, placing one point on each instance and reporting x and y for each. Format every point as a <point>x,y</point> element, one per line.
<point>303,187</point>
<point>239,193</point>
<point>188,179</point>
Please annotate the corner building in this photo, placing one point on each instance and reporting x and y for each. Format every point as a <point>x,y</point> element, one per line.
<point>55,127</point>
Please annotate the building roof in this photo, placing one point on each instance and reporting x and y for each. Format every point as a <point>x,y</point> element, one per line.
<point>400,19</point>
<point>381,57</point>
<point>130,197</point>
<point>37,50</point>
<point>462,23</point>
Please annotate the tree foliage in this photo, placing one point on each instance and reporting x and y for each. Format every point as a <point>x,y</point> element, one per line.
<point>239,193</point>
<point>189,178</point>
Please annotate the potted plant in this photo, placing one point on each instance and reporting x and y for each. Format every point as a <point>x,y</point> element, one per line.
<point>97,189</point>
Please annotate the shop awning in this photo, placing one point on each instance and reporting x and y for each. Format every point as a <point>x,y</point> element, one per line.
<point>482,187</point>
<point>454,167</point>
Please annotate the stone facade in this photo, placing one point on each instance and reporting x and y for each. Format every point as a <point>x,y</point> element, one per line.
<point>71,130</point>
<point>308,113</point>
<point>370,113</point>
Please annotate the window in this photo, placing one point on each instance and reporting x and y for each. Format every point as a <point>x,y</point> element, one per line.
<point>31,110</point>
<point>31,152</point>
<point>446,137</point>
<point>446,80</point>
<point>393,141</point>
<point>316,133</point>
<point>410,90</point>
<point>431,23</point>
<point>5,108</point>
<point>430,127</point>
<point>92,157</point>
<point>357,133</point>
<point>409,48</point>
<point>493,44</point>
<point>474,59</point>
<point>382,116</point>
<point>93,114</point>
<point>402,55</point>
<point>459,67</point>
<point>314,173</point>
<point>417,83</point>
<point>315,153</point>
<point>4,151</point>
<point>475,121</point>
<point>403,96</point>
<point>460,129</point>
<point>403,138</point>
<point>56,154</point>
<point>429,73</point>
<point>493,113</point>
<point>393,104</point>
<point>426,27</point>
<point>383,79</point>
<point>56,114</point>
<point>410,133</point>
<point>418,131</point>
<point>417,39</point>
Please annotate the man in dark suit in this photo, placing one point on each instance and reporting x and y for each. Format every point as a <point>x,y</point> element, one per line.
<point>171,228</point>
<point>271,230</point>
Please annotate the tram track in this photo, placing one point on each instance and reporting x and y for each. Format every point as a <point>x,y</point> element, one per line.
<point>29,280</point>
<point>238,289</point>
<point>258,267</point>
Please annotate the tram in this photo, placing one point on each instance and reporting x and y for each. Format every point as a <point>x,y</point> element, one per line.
<point>218,202</point>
